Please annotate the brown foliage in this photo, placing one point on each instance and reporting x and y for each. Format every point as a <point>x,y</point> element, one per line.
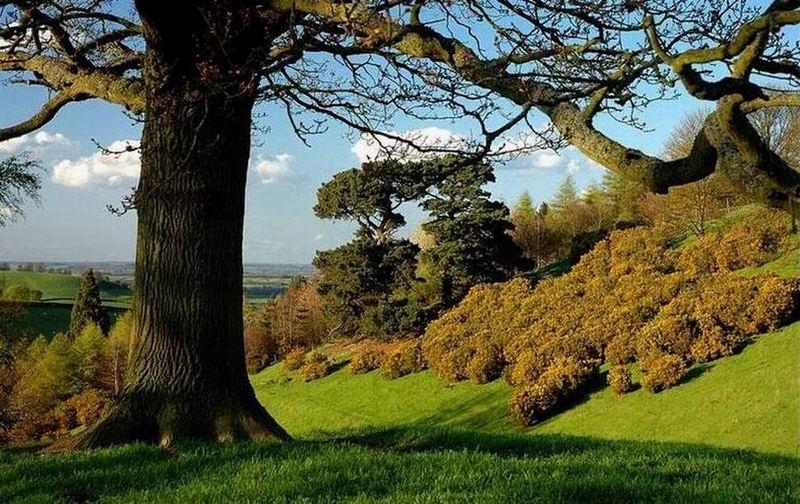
<point>291,321</point>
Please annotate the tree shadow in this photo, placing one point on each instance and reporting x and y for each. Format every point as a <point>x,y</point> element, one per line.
<point>416,463</point>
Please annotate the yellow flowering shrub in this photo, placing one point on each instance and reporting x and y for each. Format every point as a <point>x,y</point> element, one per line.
<point>402,358</point>
<point>294,359</point>
<point>317,365</point>
<point>367,357</point>
<point>633,299</point>
<point>620,380</point>
<point>562,381</point>
<point>663,373</point>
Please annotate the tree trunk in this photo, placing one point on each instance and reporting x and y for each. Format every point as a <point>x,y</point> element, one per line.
<point>187,377</point>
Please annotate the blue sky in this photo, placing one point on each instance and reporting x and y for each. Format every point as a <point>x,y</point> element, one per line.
<point>72,223</point>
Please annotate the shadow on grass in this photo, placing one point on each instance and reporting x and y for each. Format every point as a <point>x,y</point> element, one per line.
<point>418,463</point>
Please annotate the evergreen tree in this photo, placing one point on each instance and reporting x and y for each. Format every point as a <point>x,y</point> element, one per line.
<point>88,308</point>
<point>566,195</point>
<point>472,233</point>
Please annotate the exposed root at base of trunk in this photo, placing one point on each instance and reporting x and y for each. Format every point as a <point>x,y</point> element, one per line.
<point>168,423</point>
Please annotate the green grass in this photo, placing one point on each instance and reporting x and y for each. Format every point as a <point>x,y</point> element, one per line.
<point>47,319</point>
<point>407,465</point>
<point>746,401</point>
<point>62,288</point>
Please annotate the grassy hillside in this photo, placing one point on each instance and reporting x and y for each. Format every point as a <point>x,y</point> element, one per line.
<point>751,400</point>
<point>365,439</point>
<point>62,288</point>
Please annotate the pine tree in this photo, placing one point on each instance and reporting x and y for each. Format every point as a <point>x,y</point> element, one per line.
<point>566,195</point>
<point>472,233</point>
<point>88,307</point>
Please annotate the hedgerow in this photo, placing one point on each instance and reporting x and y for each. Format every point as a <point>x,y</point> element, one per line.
<point>633,299</point>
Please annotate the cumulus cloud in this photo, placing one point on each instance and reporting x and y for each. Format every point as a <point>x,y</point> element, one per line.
<point>372,148</point>
<point>568,160</point>
<point>116,168</point>
<point>38,143</point>
<point>272,170</point>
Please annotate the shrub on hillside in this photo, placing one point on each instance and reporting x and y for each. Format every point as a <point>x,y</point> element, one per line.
<point>561,382</point>
<point>317,365</point>
<point>663,372</point>
<point>620,380</point>
<point>699,258</point>
<point>366,358</point>
<point>402,358</point>
<point>294,360</point>
<point>753,242</point>
<point>480,327</point>
<point>632,299</point>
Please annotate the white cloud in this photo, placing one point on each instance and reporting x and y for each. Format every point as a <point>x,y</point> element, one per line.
<point>371,148</point>
<point>118,167</point>
<point>569,160</point>
<point>319,237</point>
<point>272,170</point>
<point>38,143</point>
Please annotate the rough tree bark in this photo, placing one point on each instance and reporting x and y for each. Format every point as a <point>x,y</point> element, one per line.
<point>187,376</point>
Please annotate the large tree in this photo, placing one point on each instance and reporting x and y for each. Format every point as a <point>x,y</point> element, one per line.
<point>20,182</point>
<point>195,69</point>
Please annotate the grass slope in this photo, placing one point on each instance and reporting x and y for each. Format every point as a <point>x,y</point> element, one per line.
<point>751,400</point>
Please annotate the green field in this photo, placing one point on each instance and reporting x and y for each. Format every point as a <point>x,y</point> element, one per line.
<point>48,319</point>
<point>62,288</point>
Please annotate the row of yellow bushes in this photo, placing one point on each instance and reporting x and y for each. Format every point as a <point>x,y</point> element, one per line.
<point>633,299</point>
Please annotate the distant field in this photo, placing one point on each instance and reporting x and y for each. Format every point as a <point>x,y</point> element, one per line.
<point>62,288</point>
<point>48,319</point>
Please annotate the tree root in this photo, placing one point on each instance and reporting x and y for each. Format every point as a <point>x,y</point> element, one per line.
<point>168,423</point>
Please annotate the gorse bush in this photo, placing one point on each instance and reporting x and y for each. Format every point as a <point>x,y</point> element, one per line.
<point>634,298</point>
<point>367,357</point>
<point>317,365</point>
<point>402,358</point>
<point>620,380</point>
<point>560,382</point>
<point>294,360</point>
<point>664,372</point>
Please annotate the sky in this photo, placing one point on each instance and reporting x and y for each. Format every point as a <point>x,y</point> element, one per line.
<point>72,223</point>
